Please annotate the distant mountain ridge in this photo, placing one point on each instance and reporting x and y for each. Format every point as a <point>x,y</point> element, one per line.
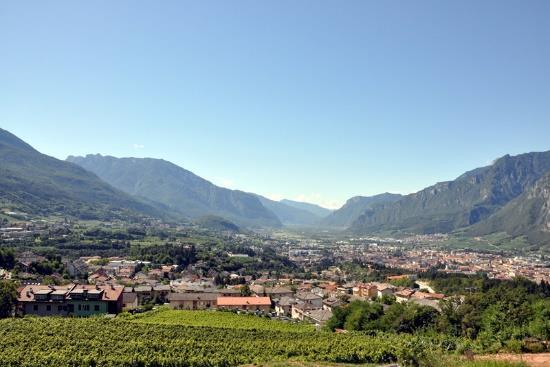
<point>289,215</point>
<point>314,209</point>
<point>38,184</point>
<point>355,207</point>
<point>177,188</point>
<point>471,198</point>
<point>512,195</point>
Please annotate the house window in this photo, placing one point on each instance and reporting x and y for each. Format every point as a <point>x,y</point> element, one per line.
<point>79,307</point>
<point>35,307</point>
<point>48,307</point>
<point>96,308</point>
<point>86,307</point>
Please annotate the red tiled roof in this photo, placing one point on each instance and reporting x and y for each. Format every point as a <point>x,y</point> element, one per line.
<point>244,301</point>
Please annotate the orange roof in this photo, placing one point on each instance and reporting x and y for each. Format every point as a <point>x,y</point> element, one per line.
<point>424,295</point>
<point>405,293</point>
<point>244,301</point>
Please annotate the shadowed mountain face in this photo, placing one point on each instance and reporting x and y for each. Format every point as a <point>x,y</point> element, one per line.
<point>471,198</point>
<point>527,215</point>
<point>178,189</point>
<point>355,207</point>
<point>38,184</point>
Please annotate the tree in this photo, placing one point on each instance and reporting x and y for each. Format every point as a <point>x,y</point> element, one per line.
<point>408,318</point>
<point>8,298</point>
<point>357,315</point>
<point>7,259</point>
<point>417,317</point>
<point>388,299</point>
<point>245,291</point>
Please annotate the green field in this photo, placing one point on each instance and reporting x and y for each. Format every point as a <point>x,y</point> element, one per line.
<point>180,338</point>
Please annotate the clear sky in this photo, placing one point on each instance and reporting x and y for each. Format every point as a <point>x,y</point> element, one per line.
<point>310,100</point>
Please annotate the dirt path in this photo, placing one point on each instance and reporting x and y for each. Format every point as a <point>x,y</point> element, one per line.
<point>532,360</point>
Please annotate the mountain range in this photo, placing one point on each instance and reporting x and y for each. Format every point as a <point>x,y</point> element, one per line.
<point>35,183</point>
<point>179,189</point>
<point>355,207</point>
<point>190,195</point>
<point>476,197</point>
<point>512,195</point>
<point>526,215</point>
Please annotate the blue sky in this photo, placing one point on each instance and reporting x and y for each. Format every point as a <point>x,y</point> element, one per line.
<point>309,100</point>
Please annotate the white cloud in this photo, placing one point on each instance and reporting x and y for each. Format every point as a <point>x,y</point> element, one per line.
<point>138,146</point>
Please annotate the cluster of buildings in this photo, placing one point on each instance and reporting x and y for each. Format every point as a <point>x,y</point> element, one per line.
<point>419,259</point>
<point>116,284</point>
<point>22,227</point>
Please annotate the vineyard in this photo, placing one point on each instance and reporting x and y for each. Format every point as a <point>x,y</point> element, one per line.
<point>176,338</point>
<point>217,319</point>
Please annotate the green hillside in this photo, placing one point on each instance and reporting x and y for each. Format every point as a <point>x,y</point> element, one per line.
<point>35,183</point>
<point>179,189</point>
<point>217,224</point>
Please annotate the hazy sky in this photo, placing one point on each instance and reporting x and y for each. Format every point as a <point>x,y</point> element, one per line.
<point>308,100</point>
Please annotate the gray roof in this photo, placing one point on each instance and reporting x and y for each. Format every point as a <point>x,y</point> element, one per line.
<point>143,288</point>
<point>278,290</point>
<point>162,288</point>
<point>320,315</point>
<point>229,291</point>
<point>333,301</point>
<point>307,296</point>
<point>193,297</point>
<point>286,301</point>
